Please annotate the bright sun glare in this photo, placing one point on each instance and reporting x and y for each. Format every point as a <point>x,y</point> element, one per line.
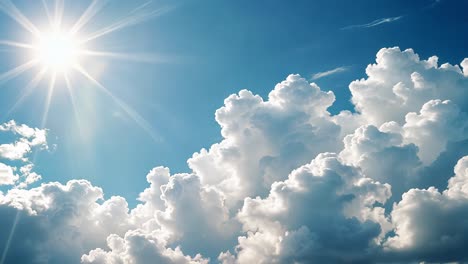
<point>60,51</point>
<point>57,51</point>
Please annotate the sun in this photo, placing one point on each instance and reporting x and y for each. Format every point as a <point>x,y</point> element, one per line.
<point>57,50</point>
<point>63,47</point>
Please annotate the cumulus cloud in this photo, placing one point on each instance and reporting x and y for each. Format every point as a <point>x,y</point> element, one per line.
<point>288,183</point>
<point>55,223</point>
<point>265,140</point>
<point>400,82</point>
<point>302,219</point>
<point>7,175</point>
<point>430,224</point>
<point>139,247</point>
<point>438,122</point>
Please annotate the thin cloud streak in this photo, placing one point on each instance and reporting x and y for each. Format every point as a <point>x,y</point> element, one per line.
<point>374,23</point>
<point>319,75</point>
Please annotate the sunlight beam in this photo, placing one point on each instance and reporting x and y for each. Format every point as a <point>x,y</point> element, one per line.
<point>137,118</point>
<point>90,12</point>
<point>10,9</point>
<point>10,237</point>
<point>57,49</point>
<point>16,44</point>
<point>74,105</point>
<point>133,19</point>
<point>137,57</point>
<point>47,11</point>
<point>50,92</point>
<point>27,90</point>
<point>17,71</point>
<point>58,13</point>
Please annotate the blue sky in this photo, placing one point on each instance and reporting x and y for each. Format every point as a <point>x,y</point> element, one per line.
<point>287,131</point>
<point>212,49</point>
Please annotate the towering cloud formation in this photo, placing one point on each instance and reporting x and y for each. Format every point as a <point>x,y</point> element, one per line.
<point>289,182</point>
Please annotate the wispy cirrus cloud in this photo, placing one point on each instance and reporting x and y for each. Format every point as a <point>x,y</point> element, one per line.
<point>374,23</point>
<point>319,75</point>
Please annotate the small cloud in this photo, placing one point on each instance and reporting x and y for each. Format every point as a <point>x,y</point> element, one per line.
<point>374,23</point>
<point>319,75</point>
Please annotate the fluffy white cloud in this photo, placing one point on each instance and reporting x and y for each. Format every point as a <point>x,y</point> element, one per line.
<point>273,191</point>
<point>36,136</point>
<point>54,223</point>
<point>265,140</point>
<point>195,213</point>
<point>302,220</point>
<point>432,225</point>
<point>381,155</point>
<point>438,122</point>
<point>139,247</point>
<point>29,137</point>
<point>400,82</point>
<point>17,152</point>
<point>7,175</point>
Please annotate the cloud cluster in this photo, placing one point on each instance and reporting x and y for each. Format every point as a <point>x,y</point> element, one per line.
<point>289,182</point>
<point>26,140</point>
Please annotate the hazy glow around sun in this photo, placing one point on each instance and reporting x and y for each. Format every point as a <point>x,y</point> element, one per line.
<point>62,48</point>
<point>57,50</point>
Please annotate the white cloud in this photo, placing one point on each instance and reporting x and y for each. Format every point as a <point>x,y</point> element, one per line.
<point>272,190</point>
<point>319,75</point>
<point>59,222</point>
<point>36,136</point>
<point>302,219</point>
<point>438,122</point>
<point>16,153</point>
<point>431,225</point>
<point>139,247</point>
<point>265,140</point>
<point>7,175</point>
<point>28,138</point>
<point>400,83</point>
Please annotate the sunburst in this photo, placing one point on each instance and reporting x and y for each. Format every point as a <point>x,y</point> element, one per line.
<point>58,51</point>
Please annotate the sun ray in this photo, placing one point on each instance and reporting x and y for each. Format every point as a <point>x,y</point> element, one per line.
<point>47,11</point>
<point>50,92</point>
<point>10,237</point>
<point>27,90</point>
<point>74,105</point>
<point>10,9</point>
<point>135,17</point>
<point>59,49</point>
<point>138,57</point>
<point>17,70</point>
<point>58,13</point>
<point>90,12</point>
<point>137,118</point>
<point>16,44</point>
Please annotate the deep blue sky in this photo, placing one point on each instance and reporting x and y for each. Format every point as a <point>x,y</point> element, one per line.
<point>213,49</point>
